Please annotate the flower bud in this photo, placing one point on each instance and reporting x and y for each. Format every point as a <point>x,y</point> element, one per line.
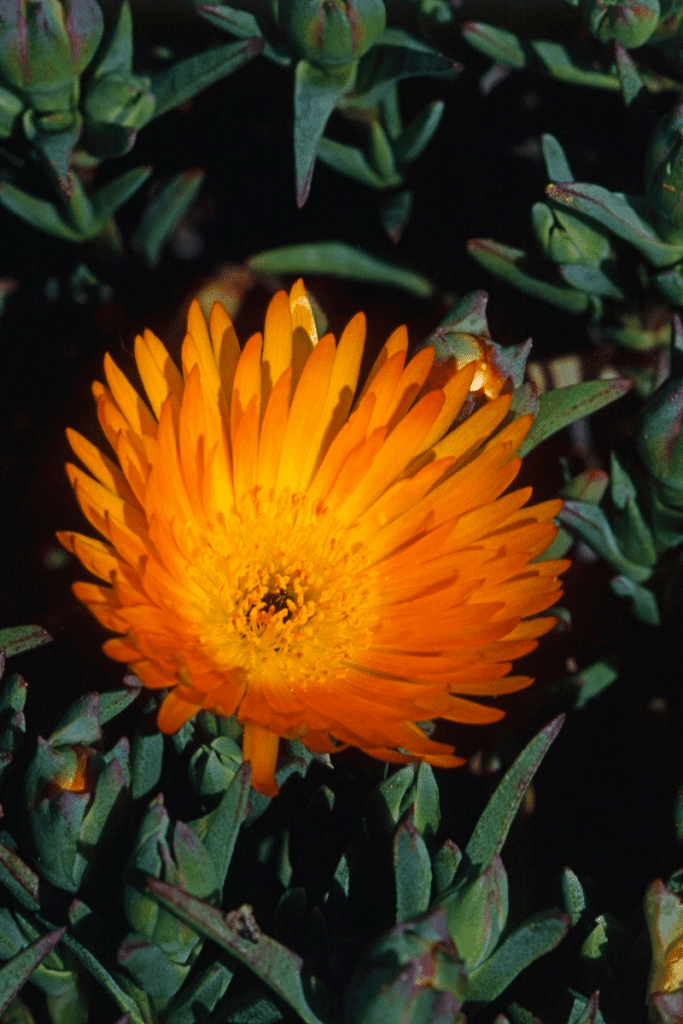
<point>411,974</point>
<point>664,168</point>
<point>566,238</point>
<point>629,22</point>
<point>477,914</point>
<point>44,44</point>
<point>71,793</point>
<point>120,98</point>
<point>332,31</point>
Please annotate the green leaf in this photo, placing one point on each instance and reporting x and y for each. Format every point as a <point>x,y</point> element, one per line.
<point>629,78</point>
<point>556,162</point>
<point>226,821</point>
<point>508,263</point>
<point>591,681</point>
<point>425,796</point>
<point>164,212</point>
<point>477,913</point>
<point>243,24</point>
<point>316,93</point>
<point>394,213</point>
<point>412,870</point>
<point>146,757</point>
<point>205,992</point>
<point>39,213</point>
<point>592,525</point>
<point>585,1011</point>
<point>496,43</point>
<point>383,66</point>
<point>382,154</point>
<point>625,216</point>
<point>107,199</point>
<point>113,702</point>
<point>118,51</point>
<point>492,828</point>
<point>80,724</point>
<point>537,936</point>
<point>559,408</point>
<point>572,895</point>
<point>152,970</point>
<point>16,973</point>
<point>183,80</point>
<point>591,280</point>
<point>19,879</point>
<point>106,980</point>
<point>387,801</point>
<point>411,143</point>
<point>238,933</point>
<point>18,639</point>
<point>337,259</point>
<point>349,160</point>
<point>643,601</point>
<point>444,865</point>
<point>12,940</point>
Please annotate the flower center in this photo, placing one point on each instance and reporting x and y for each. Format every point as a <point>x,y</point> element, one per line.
<point>284,589</point>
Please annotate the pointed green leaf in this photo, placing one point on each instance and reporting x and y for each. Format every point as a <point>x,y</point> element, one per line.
<point>537,936</point>
<point>592,525</point>
<point>591,681</point>
<point>39,213</point>
<point>509,264</point>
<point>492,828</point>
<point>244,25</point>
<point>118,51</point>
<point>559,408</point>
<point>16,973</point>
<point>585,1011</point>
<point>113,702</point>
<point>412,870</point>
<point>200,998</point>
<point>627,69</point>
<point>419,132</point>
<point>18,639</point>
<point>560,63</point>
<point>337,259</point>
<point>394,213</point>
<point>164,212</point>
<point>626,216</point>
<point>590,279</point>
<point>385,65</point>
<point>444,865</point>
<point>496,43</point>
<point>556,162</point>
<point>146,756</point>
<point>106,980</point>
<point>225,822</point>
<point>425,796</point>
<point>107,199</point>
<point>477,913</point>
<point>19,879</point>
<point>186,78</point>
<point>80,724</point>
<point>349,160</point>
<point>643,601</point>
<point>386,802</point>
<point>12,940</point>
<point>382,154</point>
<point>316,91</point>
<point>152,970</point>
<point>572,895</point>
<point>238,933</point>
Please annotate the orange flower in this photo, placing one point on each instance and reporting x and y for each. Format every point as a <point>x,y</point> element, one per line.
<point>322,570</point>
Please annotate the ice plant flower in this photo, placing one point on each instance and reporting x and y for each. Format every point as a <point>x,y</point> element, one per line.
<point>323,570</point>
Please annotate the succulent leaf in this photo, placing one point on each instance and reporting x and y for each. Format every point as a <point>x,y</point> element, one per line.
<point>559,408</point>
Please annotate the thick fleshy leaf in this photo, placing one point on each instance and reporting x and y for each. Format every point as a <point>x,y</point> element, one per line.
<point>152,970</point>
<point>238,933</point>
<point>493,826</point>
<point>509,264</point>
<point>387,802</point>
<point>223,825</point>
<point>477,913</point>
<point>107,199</point>
<point>164,212</point>
<point>626,216</point>
<point>643,601</point>
<point>411,143</point>
<point>18,639</point>
<point>559,408</point>
<point>394,213</point>
<point>445,863</point>
<point>385,65</point>
<point>591,280</point>
<point>19,879</point>
<point>39,213</point>
<point>118,50</point>
<point>244,25</point>
<point>106,980</point>
<point>573,895</point>
<point>537,936</point>
<point>591,681</point>
<point>201,997</point>
<point>316,91</point>
<point>113,702</point>
<point>80,724</point>
<point>556,163</point>
<point>146,758</point>
<point>16,973</point>
<point>424,794</point>
<point>412,870</point>
<point>593,526</point>
<point>349,160</point>
<point>585,1011</point>
<point>337,259</point>
<point>186,78</point>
